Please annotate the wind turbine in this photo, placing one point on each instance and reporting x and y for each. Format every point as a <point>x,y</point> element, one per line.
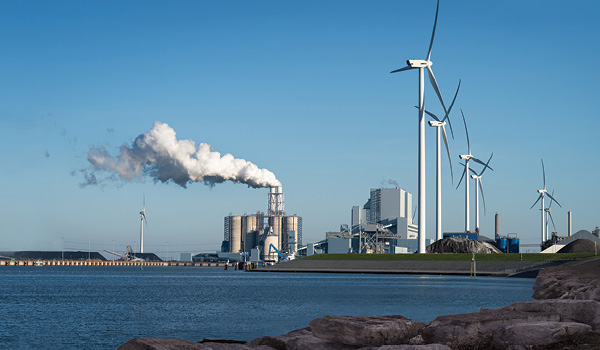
<point>142,219</point>
<point>422,65</point>
<point>440,124</point>
<point>543,192</point>
<point>468,157</point>
<point>549,214</point>
<point>478,182</point>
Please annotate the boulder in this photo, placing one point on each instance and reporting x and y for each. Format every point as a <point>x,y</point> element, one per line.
<point>409,347</point>
<point>366,330</point>
<point>461,245</point>
<point>302,339</point>
<point>567,282</point>
<point>537,334</point>
<point>475,330</point>
<point>160,344</point>
<point>581,311</point>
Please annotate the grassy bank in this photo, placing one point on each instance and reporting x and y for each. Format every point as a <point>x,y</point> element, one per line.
<point>453,257</point>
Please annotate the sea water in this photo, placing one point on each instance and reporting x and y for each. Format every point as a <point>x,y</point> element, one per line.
<point>80,307</point>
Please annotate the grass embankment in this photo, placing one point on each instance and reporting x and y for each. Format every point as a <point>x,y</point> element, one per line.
<point>453,257</point>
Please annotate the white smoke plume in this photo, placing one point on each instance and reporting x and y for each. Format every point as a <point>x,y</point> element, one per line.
<point>158,154</point>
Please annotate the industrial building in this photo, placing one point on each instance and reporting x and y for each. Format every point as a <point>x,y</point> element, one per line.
<point>274,234</point>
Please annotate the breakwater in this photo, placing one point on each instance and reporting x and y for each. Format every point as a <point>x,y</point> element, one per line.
<point>30,262</point>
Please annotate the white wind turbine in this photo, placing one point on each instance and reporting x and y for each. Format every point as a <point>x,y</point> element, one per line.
<point>548,212</point>
<point>440,124</point>
<point>543,192</point>
<point>478,187</point>
<point>142,219</point>
<point>468,157</point>
<point>422,65</point>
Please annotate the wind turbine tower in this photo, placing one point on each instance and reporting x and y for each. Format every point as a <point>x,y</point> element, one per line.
<point>478,187</point>
<point>142,219</point>
<point>422,65</point>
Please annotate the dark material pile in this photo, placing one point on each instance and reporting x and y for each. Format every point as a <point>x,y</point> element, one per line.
<point>579,246</point>
<point>461,245</point>
<point>50,255</point>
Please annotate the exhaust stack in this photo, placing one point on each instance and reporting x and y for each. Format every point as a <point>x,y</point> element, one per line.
<point>276,203</point>
<point>570,216</point>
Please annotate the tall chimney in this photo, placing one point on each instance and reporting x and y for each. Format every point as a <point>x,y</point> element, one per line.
<point>497,226</point>
<point>570,222</point>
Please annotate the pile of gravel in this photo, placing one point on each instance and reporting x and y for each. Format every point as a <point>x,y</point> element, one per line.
<point>580,246</point>
<point>461,245</point>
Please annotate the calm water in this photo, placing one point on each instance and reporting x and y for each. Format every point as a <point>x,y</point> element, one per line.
<point>103,307</point>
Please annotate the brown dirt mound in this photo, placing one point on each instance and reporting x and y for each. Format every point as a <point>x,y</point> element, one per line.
<point>580,246</point>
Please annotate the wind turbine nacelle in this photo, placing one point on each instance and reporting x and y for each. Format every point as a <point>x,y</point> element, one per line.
<point>474,177</point>
<point>419,63</point>
<point>541,191</point>
<point>435,123</point>
<point>465,156</point>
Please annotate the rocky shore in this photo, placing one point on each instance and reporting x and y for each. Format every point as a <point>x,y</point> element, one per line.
<point>565,315</point>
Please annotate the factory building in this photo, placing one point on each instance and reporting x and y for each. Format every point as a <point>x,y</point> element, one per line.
<point>243,233</point>
<point>390,207</point>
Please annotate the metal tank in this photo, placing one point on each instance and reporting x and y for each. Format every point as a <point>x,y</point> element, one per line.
<point>249,227</point>
<point>513,244</point>
<point>235,234</point>
<point>290,234</point>
<point>501,244</point>
<point>268,240</point>
<point>275,222</point>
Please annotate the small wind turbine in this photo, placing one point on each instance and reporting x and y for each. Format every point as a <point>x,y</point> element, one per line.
<point>478,187</point>
<point>142,219</point>
<point>422,65</point>
<point>543,192</point>
<point>440,124</point>
<point>468,157</point>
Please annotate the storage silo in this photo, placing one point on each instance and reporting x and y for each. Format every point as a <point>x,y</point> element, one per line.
<point>235,233</point>
<point>268,240</point>
<point>290,234</point>
<point>249,228</point>
<point>275,222</point>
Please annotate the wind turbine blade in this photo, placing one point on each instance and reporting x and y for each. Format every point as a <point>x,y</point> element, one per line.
<point>436,88</point>
<point>466,131</point>
<point>487,164</point>
<point>433,33</point>
<point>540,197</point>
<point>448,151</point>
<point>548,194</point>
<point>146,221</point>
<point>482,196</point>
<point>544,173</point>
<point>552,219</point>
<point>402,69</point>
<point>430,114</point>
<point>450,109</point>
<point>551,200</point>
<point>461,177</point>
<point>144,201</point>
<point>482,163</point>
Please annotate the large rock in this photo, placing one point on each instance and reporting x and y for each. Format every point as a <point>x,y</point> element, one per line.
<point>409,347</point>
<point>475,330</point>
<point>461,245</point>
<point>160,344</point>
<point>537,334</point>
<point>582,311</point>
<point>366,330</point>
<point>300,339</point>
<point>568,282</point>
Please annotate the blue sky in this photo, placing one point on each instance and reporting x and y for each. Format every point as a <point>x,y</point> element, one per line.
<point>300,88</point>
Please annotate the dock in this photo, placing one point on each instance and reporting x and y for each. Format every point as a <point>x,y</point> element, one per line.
<point>30,262</point>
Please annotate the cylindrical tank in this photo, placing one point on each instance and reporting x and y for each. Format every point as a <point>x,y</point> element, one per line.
<point>513,245</point>
<point>270,239</point>
<point>235,234</point>
<point>249,226</point>
<point>501,244</point>
<point>276,223</point>
<point>290,233</point>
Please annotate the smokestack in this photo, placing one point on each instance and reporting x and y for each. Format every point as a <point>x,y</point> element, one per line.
<point>570,216</point>
<point>497,226</point>
<point>275,202</point>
